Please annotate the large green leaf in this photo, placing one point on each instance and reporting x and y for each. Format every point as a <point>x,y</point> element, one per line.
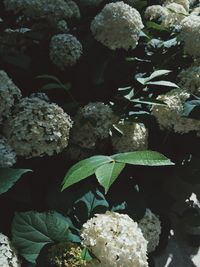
<point>108,173</point>
<point>31,231</point>
<point>163,83</point>
<point>154,75</point>
<point>148,158</point>
<point>50,77</point>
<point>83,169</point>
<point>158,73</point>
<point>8,177</point>
<point>156,26</point>
<point>90,203</point>
<point>149,101</point>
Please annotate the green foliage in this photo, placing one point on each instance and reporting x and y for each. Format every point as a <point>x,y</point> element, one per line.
<point>155,74</point>
<point>83,169</point>
<point>31,231</point>
<point>90,203</point>
<point>191,108</point>
<point>8,177</point>
<point>107,169</point>
<point>108,173</point>
<point>146,158</point>
<point>130,83</point>
<point>56,85</point>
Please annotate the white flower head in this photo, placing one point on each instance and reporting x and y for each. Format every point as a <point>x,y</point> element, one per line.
<point>170,116</point>
<point>167,116</point>
<point>151,229</point>
<point>8,255</point>
<point>7,154</point>
<point>196,11</point>
<point>155,12</point>
<point>190,80</point>
<point>116,240</point>
<point>175,15</point>
<point>62,26</point>
<point>65,50</point>
<point>190,35</point>
<point>37,128</point>
<point>134,137</point>
<point>38,9</point>
<point>74,8</point>
<point>102,116</point>
<point>117,26</point>
<point>9,95</point>
<point>92,122</point>
<point>186,125</point>
<point>184,3</point>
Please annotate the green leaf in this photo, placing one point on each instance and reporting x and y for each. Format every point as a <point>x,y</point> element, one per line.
<point>158,73</point>
<point>83,169</point>
<point>85,255</point>
<point>50,77</point>
<point>131,59</point>
<point>141,80</point>
<point>92,200</point>
<point>156,26</point>
<point>31,231</point>
<point>163,83</point>
<point>148,101</point>
<point>147,158</point>
<point>117,130</point>
<point>8,177</point>
<point>154,75</point>
<point>108,173</point>
<point>189,106</point>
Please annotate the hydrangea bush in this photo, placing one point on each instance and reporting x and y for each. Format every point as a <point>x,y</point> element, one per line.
<point>99,131</point>
<point>116,240</point>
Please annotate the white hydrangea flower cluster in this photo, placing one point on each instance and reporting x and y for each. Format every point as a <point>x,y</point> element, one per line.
<point>190,80</point>
<point>116,240</point>
<point>65,50</point>
<point>190,35</point>
<point>169,116</point>
<point>37,128</point>
<point>83,135</point>
<point>184,3</point>
<point>8,255</point>
<point>186,125</point>
<point>195,11</point>
<point>176,13</point>
<point>7,154</point>
<point>49,9</point>
<point>92,122</point>
<point>117,26</point>
<point>134,138</point>
<point>9,95</point>
<point>155,12</point>
<point>40,95</point>
<point>62,26</point>
<point>100,115</point>
<point>74,8</point>
<point>151,229</point>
